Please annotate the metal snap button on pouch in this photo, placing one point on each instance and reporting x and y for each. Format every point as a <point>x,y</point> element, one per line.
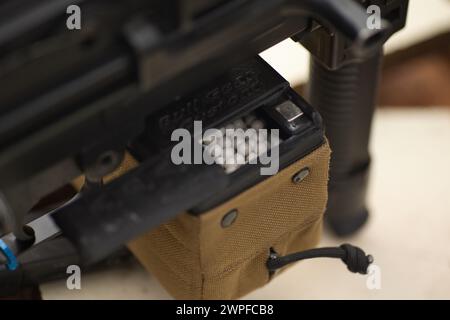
<point>301,175</point>
<point>229,218</point>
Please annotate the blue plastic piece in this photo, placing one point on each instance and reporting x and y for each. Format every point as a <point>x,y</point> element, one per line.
<point>12,263</point>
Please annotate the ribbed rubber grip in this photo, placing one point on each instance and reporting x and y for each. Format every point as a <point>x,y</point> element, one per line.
<point>346,99</point>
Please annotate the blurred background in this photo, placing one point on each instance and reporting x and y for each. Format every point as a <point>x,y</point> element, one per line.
<point>409,198</point>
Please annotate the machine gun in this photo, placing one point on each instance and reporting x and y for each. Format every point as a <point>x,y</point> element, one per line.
<point>75,102</point>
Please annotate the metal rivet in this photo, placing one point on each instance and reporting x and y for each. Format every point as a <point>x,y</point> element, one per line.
<point>229,218</point>
<point>301,175</point>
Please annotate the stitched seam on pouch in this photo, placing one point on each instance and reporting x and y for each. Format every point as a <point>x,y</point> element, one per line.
<point>172,271</point>
<point>200,266</point>
<point>177,238</point>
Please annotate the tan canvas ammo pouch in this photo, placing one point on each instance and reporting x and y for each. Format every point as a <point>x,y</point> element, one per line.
<point>201,257</point>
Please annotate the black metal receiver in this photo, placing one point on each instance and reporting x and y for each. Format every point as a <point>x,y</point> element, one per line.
<point>72,102</point>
